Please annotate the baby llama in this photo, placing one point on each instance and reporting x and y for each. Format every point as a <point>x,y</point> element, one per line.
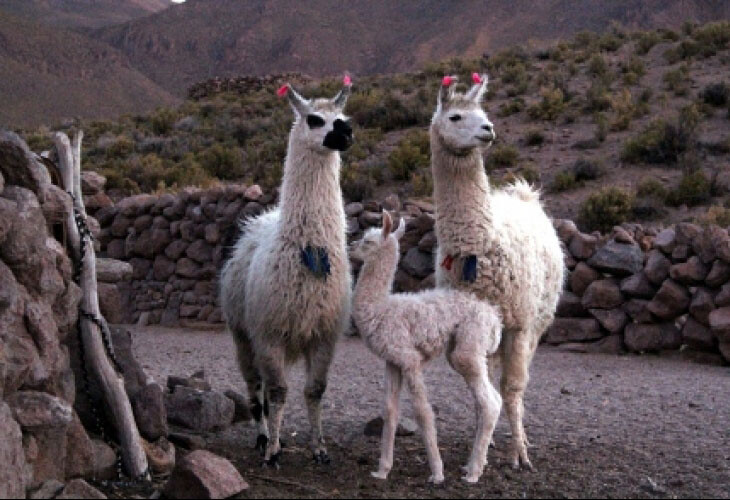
<point>497,243</point>
<point>285,291</point>
<point>407,330</point>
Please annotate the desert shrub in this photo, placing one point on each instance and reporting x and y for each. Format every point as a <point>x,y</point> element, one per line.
<point>678,80</point>
<point>662,141</point>
<point>39,142</point>
<point>625,110</point>
<point>646,40</point>
<point>222,162</point>
<point>502,155</point>
<point>511,107</point>
<point>529,173</point>
<point>564,181</point>
<point>633,70</point>
<point>550,106</point>
<point>358,182</point>
<point>422,183</point>
<point>712,38</point>
<point>385,110</point>
<point>120,148</point>
<point>534,137</point>
<point>411,154</point>
<point>605,209</point>
<point>610,42</point>
<point>587,170</point>
<point>651,188</point>
<point>517,78</point>
<point>597,66</point>
<point>715,215</point>
<point>163,120</point>
<point>716,94</point>
<point>597,97</point>
<point>601,122</point>
<point>686,49</point>
<point>718,148</point>
<point>693,189</point>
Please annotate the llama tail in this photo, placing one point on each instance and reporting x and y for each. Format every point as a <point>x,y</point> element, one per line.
<point>524,191</point>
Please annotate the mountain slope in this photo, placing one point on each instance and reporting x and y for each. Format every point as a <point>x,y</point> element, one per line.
<point>82,13</point>
<point>203,38</point>
<point>47,75</point>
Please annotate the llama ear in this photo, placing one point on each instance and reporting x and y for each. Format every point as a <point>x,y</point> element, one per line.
<point>477,91</point>
<point>446,93</point>
<point>387,224</point>
<point>401,230</point>
<point>298,103</point>
<point>340,100</point>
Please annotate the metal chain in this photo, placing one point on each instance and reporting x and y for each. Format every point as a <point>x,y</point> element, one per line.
<point>85,237</point>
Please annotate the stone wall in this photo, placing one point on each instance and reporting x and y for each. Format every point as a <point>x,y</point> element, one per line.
<point>632,290</point>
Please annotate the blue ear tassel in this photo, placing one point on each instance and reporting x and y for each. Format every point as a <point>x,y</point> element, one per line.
<point>469,273</point>
<point>317,260</point>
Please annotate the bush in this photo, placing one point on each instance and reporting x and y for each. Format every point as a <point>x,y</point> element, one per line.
<point>678,80</point>
<point>163,120</point>
<point>502,155</point>
<point>587,170</point>
<point>422,183</point>
<point>534,138</point>
<point>550,107</point>
<point>358,182</point>
<point>564,181</point>
<point>693,189</point>
<point>512,107</point>
<point>598,67</point>
<point>121,148</point>
<point>715,215</point>
<point>411,154</point>
<point>625,110</point>
<point>222,162</point>
<point>646,40</point>
<point>633,70</point>
<point>663,142</point>
<point>605,209</point>
<point>651,188</point>
<point>597,98</point>
<point>716,94</point>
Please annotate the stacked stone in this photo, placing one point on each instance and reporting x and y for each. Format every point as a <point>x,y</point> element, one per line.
<point>243,84</point>
<point>43,442</point>
<point>646,292</point>
<point>175,245</point>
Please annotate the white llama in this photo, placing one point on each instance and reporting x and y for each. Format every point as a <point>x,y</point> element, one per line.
<point>497,243</point>
<point>285,291</point>
<point>409,329</point>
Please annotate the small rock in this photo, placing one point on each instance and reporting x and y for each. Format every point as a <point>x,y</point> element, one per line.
<point>651,337</point>
<point>670,301</point>
<point>198,410</point>
<point>618,259</point>
<point>613,320</point>
<point>702,305</point>
<point>406,427</point>
<point>602,294</point>
<point>160,456</point>
<point>638,311</point>
<point>417,263</point>
<point>202,474</point>
<point>720,323</point>
<point>573,330</point>
<point>187,441</point>
<point>657,267</point>
<point>582,276</point>
<point>666,240</point>
<point>150,412</point>
<point>49,489</point>
<point>691,272</point>
<point>637,285</point>
<point>354,209</point>
<point>112,271</point>
<point>242,412</point>
<point>698,336</point>
<point>253,193</point>
<point>570,306</point>
<point>583,246</point>
<point>80,489</point>
<point>719,274</point>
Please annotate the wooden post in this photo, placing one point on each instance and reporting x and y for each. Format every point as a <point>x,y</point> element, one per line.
<point>110,382</point>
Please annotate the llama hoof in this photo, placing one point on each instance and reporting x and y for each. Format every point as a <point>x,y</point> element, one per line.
<point>382,475</point>
<point>261,442</point>
<point>470,478</point>
<point>321,457</point>
<point>436,480</point>
<point>522,463</point>
<point>273,462</point>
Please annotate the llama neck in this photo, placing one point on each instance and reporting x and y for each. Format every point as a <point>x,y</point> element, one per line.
<point>376,278</point>
<point>461,190</point>
<point>311,206</point>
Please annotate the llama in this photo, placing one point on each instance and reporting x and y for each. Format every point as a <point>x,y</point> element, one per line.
<point>407,330</point>
<point>497,243</point>
<point>286,289</point>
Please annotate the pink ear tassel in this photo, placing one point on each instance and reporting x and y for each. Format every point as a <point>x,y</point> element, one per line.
<point>447,81</point>
<point>476,78</point>
<point>347,80</point>
<point>283,90</point>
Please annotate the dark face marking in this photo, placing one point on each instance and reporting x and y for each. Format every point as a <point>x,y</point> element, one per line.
<point>315,121</point>
<point>455,118</point>
<point>340,137</point>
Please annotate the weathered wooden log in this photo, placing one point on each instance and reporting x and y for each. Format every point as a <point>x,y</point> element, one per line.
<point>110,382</point>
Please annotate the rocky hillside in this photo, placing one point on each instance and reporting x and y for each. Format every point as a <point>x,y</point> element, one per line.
<point>56,74</point>
<point>204,38</point>
<point>82,13</point>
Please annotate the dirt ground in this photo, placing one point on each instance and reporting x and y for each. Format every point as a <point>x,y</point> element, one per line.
<point>601,426</point>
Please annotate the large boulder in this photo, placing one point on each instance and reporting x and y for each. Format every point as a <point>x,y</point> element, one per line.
<point>417,263</point>
<point>720,323</point>
<point>150,412</point>
<point>618,259</point>
<point>702,305</point>
<point>573,330</point>
<point>638,285</point>
<point>582,276</point>
<point>20,166</point>
<point>670,301</point>
<point>657,267</point>
<point>202,411</point>
<point>666,240</point>
<point>613,320</point>
<point>602,294</point>
<point>112,271</point>
<point>691,272</point>
<point>719,274</point>
<point>14,475</point>
<point>569,306</point>
<point>92,182</point>
<point>698,336</point>
<point>202,474</point>
<point>582,246</point>
<point>651,337</point>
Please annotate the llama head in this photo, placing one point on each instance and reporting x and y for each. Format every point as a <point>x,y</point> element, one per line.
<point>376,240</point>
<point>320,123</point>
<point>459,121</point>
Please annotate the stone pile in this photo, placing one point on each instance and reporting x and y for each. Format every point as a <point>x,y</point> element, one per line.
<point>243,84</point>
<point>645,291</point>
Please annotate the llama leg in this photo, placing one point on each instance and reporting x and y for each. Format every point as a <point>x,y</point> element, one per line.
<point>259,405</point>
<point>494,364</point>
<point>518,352</point>
<point>425,417</point>
<point>318,364</point>
<point>273,370</point>
<point>393,384</point>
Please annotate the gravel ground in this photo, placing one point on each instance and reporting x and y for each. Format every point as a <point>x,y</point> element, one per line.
<point>601,426</point>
